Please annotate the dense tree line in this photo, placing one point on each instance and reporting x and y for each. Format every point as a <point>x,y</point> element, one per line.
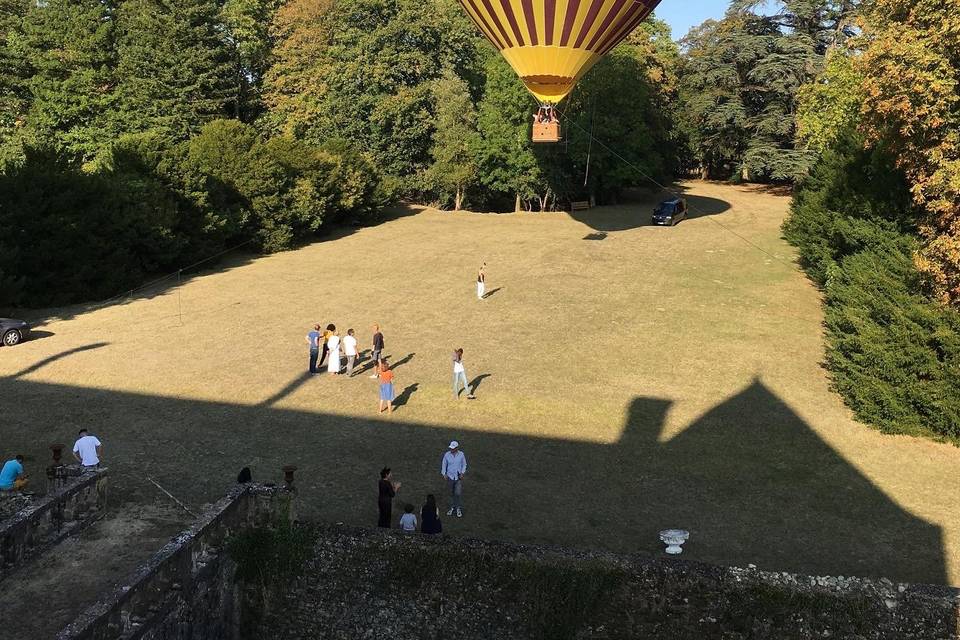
<point>139,135</point>
<point>875,221</point>
<point>188,126</point>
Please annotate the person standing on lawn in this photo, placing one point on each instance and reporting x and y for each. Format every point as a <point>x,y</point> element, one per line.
<point>386,386</point>
<point>430,517</point>
<point>388,491</point>
<point>377,350</point>
<point>333,347</point>
<point>326,335</point>
<point>460,375</point>
<point>453,468</point>
<point>313,339</point>
<point>350,351</point>
<point>481,282</point>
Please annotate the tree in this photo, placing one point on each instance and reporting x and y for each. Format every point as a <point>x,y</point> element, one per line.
<point>911,71</point>
<point>455,139</point>
<point>368,76</point>
<point>247,32</point>
<point>741,80</point>
<point>65,48</point>
<point>829,107</point>
<point>506,161</point>
<point>14,73</point>
<point>174,67</point>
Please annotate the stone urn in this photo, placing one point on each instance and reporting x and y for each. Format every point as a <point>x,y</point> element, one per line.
<point>674,539</point>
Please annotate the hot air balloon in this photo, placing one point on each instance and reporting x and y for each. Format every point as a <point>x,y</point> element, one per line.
<point>552,43</point>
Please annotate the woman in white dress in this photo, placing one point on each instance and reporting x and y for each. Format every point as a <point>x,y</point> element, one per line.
<point>333,347</point>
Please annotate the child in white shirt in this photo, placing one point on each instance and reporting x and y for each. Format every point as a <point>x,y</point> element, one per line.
<point>408,521</point>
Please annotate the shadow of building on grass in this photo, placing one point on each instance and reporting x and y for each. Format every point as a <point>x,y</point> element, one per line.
<point>750,480</point>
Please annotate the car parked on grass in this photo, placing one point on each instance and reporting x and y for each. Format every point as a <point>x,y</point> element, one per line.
<point>13,332</point>
<point>670,212</point>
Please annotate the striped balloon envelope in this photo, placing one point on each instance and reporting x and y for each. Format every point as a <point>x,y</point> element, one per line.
<point>552,43</point>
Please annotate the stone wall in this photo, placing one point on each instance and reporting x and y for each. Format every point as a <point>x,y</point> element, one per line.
<point>75,500</point>
<point>367,584</point>
<point>187,590</point>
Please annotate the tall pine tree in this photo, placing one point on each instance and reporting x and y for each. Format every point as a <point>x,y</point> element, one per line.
<point>66,47</point>
<point>175,67</point>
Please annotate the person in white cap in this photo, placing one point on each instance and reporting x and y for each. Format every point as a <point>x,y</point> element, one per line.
<point>453,467</point>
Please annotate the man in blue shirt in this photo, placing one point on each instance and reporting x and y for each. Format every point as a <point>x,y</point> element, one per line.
<point>12,477</point>
<point>313,339</point>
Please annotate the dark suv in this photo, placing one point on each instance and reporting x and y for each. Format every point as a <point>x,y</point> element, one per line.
<point>13,332</point>
<point>670,212</point>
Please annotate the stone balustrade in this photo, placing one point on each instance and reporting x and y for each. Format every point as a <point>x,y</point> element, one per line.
<point>77,497</point>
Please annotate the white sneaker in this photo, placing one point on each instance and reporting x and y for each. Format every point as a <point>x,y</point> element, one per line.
<point>373,376</point>
<point>450,511</point>
<point>459,513</point>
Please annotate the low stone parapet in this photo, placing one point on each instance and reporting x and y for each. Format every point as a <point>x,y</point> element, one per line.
<point>187,590</point>
<point>78,498</point>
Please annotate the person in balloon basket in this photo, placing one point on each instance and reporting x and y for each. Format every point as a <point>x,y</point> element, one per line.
<point>453,468</point>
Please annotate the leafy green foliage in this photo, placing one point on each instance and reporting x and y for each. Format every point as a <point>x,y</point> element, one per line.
<point>173,67</point>
<point>893,355</point>
<point>454,168</point>
<point>741,79</point>
<point>830,106</point>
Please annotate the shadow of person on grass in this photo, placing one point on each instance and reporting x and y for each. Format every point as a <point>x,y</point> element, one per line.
<point>404,396</point>
<point>491,292</point>
<point>402,361</point>
<point>475,384</point>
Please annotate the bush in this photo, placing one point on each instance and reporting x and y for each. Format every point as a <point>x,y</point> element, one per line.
<point>149,205</point>
<point>71,235</point>
<point>894,355</point>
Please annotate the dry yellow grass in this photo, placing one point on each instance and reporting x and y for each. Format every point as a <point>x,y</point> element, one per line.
<point>652,378</point>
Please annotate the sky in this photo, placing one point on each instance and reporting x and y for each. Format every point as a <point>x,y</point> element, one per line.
<point>683,14</point>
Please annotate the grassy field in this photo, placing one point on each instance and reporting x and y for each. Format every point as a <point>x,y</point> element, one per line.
<point>631,379</point>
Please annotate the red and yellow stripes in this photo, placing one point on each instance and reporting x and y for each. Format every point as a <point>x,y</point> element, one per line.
<point>552,43</point>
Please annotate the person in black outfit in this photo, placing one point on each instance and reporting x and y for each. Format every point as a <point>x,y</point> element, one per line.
<point>430,517</point>
<point>388,490</point>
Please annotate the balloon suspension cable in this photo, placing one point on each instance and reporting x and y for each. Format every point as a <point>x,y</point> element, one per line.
<point>593,111</point>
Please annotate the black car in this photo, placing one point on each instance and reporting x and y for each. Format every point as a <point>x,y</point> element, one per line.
<point>670,212</point>
<point>13,331</point>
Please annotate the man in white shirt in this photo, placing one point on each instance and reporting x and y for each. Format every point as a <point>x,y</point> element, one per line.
<point>350,350</point>
<point>87,449</point>
<point>453,467</point>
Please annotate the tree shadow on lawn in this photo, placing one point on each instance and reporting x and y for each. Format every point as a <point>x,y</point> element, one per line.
<point>636,210</point>
<point>232,258</point>
<point>749,479</point>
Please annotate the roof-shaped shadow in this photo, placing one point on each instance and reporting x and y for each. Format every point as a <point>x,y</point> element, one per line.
<point>750,480</point>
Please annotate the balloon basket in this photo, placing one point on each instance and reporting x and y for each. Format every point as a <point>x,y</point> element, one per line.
<point>546,132</point>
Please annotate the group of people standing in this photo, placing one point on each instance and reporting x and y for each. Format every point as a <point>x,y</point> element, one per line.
<point>329,343</point>
<point>453,468</point>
